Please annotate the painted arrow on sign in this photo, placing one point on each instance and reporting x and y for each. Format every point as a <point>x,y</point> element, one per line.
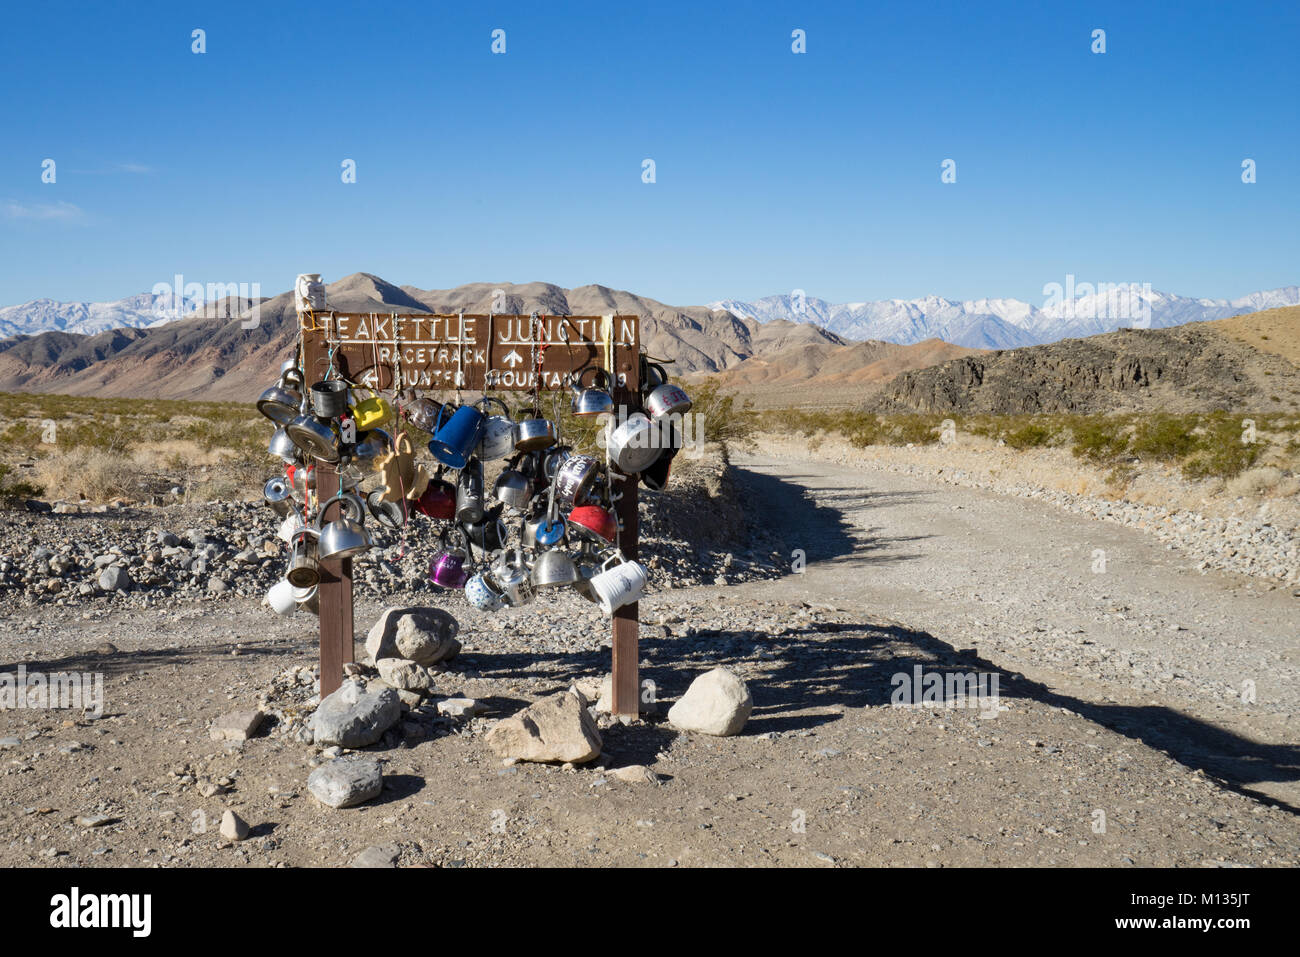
<point>513,359</point>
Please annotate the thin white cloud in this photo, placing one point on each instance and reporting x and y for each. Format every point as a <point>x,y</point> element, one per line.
<point>43,212</point>
<point>140,168</point>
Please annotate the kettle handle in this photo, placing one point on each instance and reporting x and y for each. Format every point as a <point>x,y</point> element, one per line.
<point>491,399</point>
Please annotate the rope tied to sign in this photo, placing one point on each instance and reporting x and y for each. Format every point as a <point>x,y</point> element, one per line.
<point>607,362</point>
<point>460,355</point>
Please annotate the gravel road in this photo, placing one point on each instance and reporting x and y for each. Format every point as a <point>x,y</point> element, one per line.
<point>1115,740</point>
<point>1106,615</point>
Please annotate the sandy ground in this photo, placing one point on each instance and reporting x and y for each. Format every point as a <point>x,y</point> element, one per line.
<point>1145,755</point>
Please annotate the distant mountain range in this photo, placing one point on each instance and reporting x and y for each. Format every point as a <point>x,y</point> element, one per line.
<point>211,356</point>
<point>781,357</point>
<point>87,318</point>
<point>1003,323</point>
<point>976,324</point>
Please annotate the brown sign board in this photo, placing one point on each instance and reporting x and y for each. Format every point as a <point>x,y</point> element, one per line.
<point>474,353</point>
<point>471,352</point>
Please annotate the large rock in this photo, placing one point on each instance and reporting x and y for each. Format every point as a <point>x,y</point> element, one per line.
<point>557,728</point>
<point>354,716</point>
<point>346,781</point>
<point>115,578</point>
<point>404,675</point>
<point>426,636</point>
<point>717,702</point>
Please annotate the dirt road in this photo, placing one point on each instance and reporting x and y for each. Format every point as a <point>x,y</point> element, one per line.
<point>1115,740</point>
<point>1096,612</point>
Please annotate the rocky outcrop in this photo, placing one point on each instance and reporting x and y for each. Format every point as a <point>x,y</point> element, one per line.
<point>1182,369</point>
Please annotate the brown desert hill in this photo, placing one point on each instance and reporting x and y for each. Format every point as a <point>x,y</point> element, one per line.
<point>199,357</point>
<point>819,368</point>
<point>1180,369</point>
<point>215,358</point>
<point>1273,330</point>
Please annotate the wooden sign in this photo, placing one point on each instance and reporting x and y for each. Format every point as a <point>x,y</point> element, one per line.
<point>471,352</point>
<point>474,353</point>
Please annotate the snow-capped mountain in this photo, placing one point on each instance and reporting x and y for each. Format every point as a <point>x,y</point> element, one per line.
<point>88,318</point>
<point>1076,311</point>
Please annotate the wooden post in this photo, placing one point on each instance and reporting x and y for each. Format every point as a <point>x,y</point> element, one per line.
<point>335,598</point>
<point>627,627</point>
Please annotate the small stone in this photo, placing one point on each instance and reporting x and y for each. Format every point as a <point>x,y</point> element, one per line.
<point>634,774</point>
<point>92,820</point>
<point>236,725</point>
<point>381,855</point>
<point>460,707</point>
<point>233,827</point>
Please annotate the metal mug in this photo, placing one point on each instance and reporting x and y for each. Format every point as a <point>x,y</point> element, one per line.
<point>533,434</point>
<point>304,567</point>
<point>329,398</point>
<point>573,479</point>
<point>470,506</point>
<point>619,582</point>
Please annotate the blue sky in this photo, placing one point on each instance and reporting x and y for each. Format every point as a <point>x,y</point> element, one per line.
<point>774,171</point>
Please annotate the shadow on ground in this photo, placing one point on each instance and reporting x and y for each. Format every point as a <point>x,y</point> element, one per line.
<point>854,664</point>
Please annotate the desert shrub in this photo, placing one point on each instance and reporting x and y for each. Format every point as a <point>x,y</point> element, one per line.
<point>94,474</point>
<point>1100,440</point>
<point>1165,438</point>
<point>14,490</point>
<point>1220,451</point>
<point>1031,435</point>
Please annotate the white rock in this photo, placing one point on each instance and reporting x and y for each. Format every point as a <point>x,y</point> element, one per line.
<point>460,707</point>
<point>233,827</point>
<point>717,702</point>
